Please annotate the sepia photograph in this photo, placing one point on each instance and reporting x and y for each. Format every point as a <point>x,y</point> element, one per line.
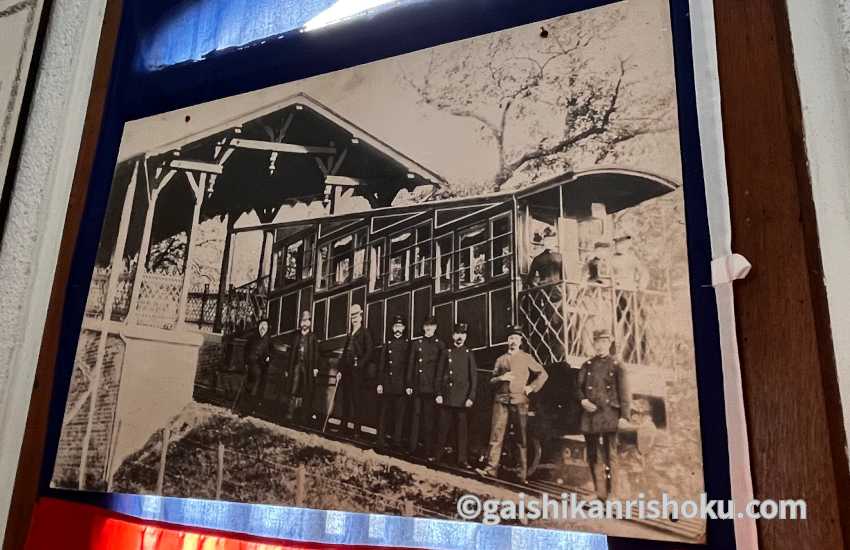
<point>459,271</point>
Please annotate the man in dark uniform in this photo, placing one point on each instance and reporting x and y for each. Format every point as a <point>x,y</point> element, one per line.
<point>392,375</point>
<point>426,363</point>
<point>606,405</point>
<point>456,393</point>
<point>302,371</point>
<point>511,376</point>
<point>257,356</point>
<point>351,375</point>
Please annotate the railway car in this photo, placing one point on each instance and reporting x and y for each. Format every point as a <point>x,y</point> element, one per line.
<point>474,260</point>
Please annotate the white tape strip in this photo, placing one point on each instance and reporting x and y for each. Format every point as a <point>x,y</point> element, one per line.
<point>729,268</point>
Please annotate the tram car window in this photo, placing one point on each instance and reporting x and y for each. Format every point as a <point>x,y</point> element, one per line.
<point>472,255</point>
<point>445,251</point>
<point>502,242</point>
<point>377,260</point>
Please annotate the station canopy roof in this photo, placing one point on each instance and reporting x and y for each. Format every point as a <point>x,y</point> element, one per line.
<point>286,152</point>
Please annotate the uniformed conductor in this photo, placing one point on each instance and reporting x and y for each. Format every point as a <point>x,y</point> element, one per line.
<point>356,355</point>
<point>392,375</point>
<point>511,376</point>
<point>426,362</point>
<point>606,405</point>
<point>456,394</point>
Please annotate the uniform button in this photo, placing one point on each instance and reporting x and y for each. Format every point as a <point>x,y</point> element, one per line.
<point>420,359</point>
<point>607,387</point>
<point>450,384</point>
<point>420,371</point>
<point>389,351</point>
<point>450,371</point>
<point>590,387</point>
<point>450,359</point>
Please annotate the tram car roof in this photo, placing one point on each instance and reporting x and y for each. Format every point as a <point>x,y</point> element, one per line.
<point>617,188</point>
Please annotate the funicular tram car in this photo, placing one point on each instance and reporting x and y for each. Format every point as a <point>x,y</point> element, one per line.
<point>469,260</point>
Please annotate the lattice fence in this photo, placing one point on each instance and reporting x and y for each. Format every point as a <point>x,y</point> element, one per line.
<point>641,322</point>
<point>97,294</point>
<point>559,320</point>
<point>201,305</point>
<point>158,300</point>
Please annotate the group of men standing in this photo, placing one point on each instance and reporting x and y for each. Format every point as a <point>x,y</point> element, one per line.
<point>425,384</point>
<point>421,382</point>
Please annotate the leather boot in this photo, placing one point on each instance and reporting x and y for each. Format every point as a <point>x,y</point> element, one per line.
<point>523,465</point>
<point>600,476</point>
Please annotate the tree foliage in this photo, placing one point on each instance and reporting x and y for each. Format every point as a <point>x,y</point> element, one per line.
<point>543,99</point>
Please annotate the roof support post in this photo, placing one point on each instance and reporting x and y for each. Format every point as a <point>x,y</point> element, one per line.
<point>198,186</point>
<point>144,251</point>
<point>112,285</point>
<point>222,277</point>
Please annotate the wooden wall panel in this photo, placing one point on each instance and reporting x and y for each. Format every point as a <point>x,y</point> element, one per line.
<point>783,329</point>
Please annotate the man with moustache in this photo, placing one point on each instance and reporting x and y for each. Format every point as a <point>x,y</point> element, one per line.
<point>456,389</point>
<point>351,375</point>
<point>605,400</point>
<point>302,371</point>
<point>511,376</point>
<point>392,375</point>
<point>426,363</point>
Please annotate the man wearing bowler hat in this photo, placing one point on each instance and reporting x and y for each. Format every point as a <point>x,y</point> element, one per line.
<point>356,355</point>
<point>511,377</point>
<point>605,400</point>
<point>426,363</point>
<point>392,376</point>
<point>456,394</point>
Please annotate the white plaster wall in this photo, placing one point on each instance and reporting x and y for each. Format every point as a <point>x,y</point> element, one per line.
<point>820,31</point>
<point>30,242</point>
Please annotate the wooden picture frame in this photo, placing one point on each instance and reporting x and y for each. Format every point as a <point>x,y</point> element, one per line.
<point>22,23</point>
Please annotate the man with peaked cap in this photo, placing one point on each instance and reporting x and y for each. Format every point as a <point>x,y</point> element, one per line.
<point>603,393</point>
<point>302,371</point>
<point>426,363</point>
<point>511,377</point>
<point>392,377</point>
<point>456,389</point>
<point>352,367</point>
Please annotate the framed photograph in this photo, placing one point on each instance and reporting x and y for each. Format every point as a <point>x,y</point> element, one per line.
<point>465,273</point>
<point>19,24</point>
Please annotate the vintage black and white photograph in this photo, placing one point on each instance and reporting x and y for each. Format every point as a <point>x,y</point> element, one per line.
<point>458,271</point>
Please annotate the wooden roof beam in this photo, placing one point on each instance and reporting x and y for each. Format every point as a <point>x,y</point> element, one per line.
<point>197,166</point>
<point>274,147</point>
<point>346,181</point>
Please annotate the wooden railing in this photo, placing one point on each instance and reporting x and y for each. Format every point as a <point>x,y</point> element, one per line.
<point>157,303</point>
<point>559,320</point>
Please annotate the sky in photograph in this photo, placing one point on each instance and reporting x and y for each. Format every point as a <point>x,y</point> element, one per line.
<point>376,97</point>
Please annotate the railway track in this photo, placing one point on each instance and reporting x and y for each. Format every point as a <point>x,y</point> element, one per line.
<point>690,529</point>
